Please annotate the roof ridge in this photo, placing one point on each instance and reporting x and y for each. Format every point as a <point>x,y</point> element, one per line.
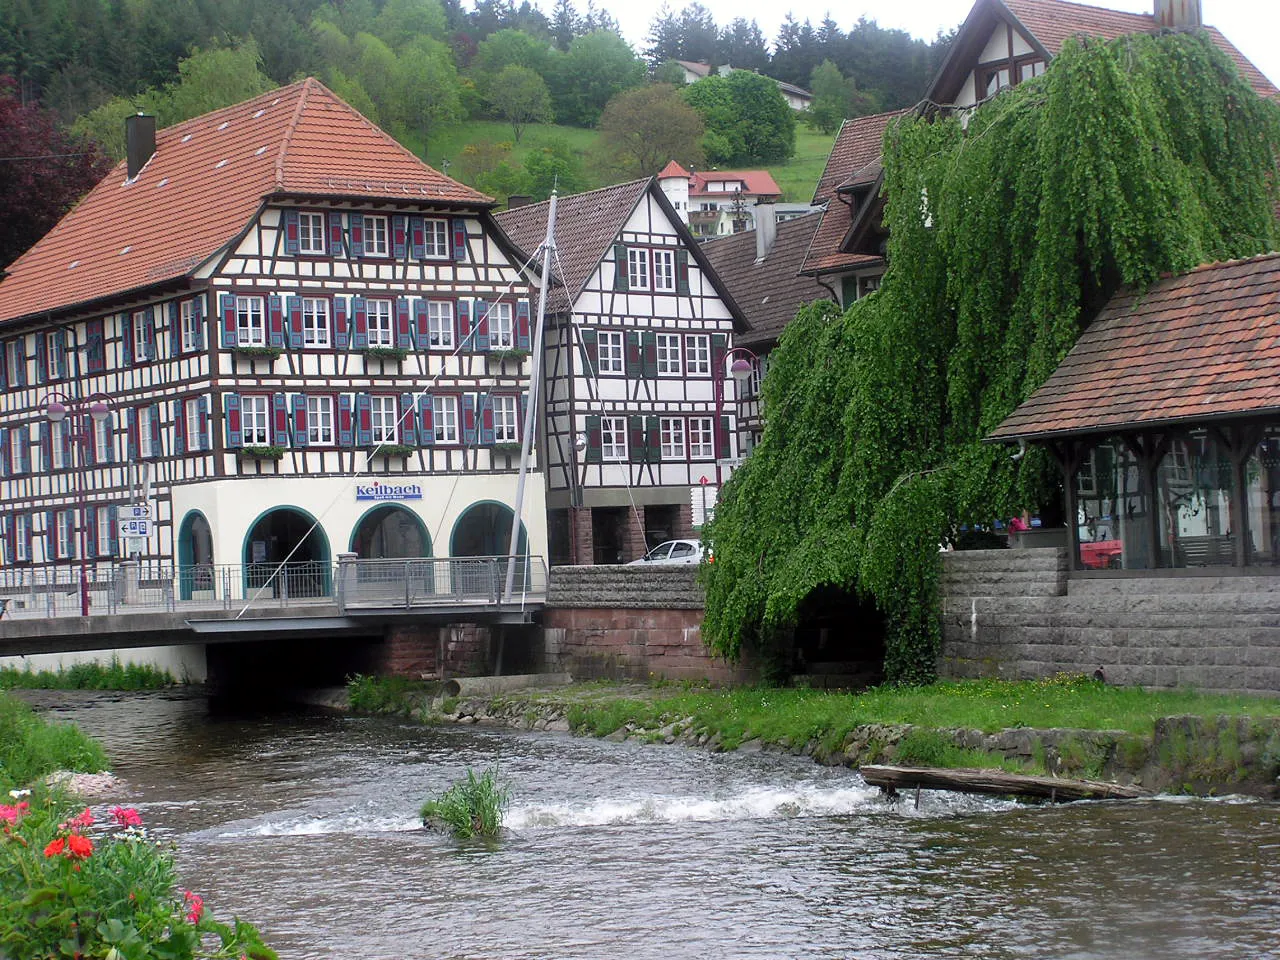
<point>575,196</point>
<point>1215,264</point>
<point>289,129</point>
<point>206,118</point>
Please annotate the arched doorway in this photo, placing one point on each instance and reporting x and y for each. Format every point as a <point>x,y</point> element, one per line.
<point>195,556</point>
<point>272,537</point>
<point>390,531</point>
<point>484,530</point>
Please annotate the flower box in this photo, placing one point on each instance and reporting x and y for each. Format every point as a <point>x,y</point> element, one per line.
<point>263,453</point>
<point>385,353</point>
<point>391,450</point>
<point>253,353</point>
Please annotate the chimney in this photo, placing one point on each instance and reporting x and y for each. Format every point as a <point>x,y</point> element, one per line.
<point>766,228</point>
<point>1179,14</point>
<point>140,141</point>
<point>518,200</point>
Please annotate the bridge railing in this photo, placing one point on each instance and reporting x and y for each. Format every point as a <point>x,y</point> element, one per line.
<point>426,581</point>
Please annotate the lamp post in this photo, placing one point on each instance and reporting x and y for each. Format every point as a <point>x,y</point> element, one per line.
<point>740,369</point>
<point>81,416</point>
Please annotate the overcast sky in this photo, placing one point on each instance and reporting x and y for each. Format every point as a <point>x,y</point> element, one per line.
<point>1252,25</point>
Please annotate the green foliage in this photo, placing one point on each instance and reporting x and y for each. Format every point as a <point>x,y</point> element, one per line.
<point>473,807</point>
<point>88,676</point>
<point>112,895</point>
<point>747,118</point>
<point>31,748</point>
<point>520,97</point>
<point>595,69</point>
<point>1005,236</point>
<point>398,695</point>
<point>642,129</point>
<point>554,166</point>
<point>932,748</point>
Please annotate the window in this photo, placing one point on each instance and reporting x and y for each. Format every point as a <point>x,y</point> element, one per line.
<point>613,438</point>
<point>65,533</point>
<point>311,233</point>
<point>146,424</point>
<point>195,436</point>
<point>1028,69</point>
<point>506,419</point>
<point>994,80</point>
<point>384,417</point>
<point>190,324</point>
<point>141,334</point>
<point>22,537</point>
<point>105,534</point>
<point>502,335</point>
<point>52,356</point>
<point>444,418</point>
<point>440,324</point>
<point>868,285</point>
<point>759,368</point>
<point>637,269</point>
<point>251,331</point>
<point>698,359</point>
<point>610,352</point>
<point>701,439</point>
<point>17,450</point>
<point>255,421</point>
<point>16,358</point>
<point>375,236</point>
<point>59,445</point>
<point>672,438</point>
<point>315,322</point>
<point>381,329</point>
<point>664,270</point>
<point>436,238</point>
<point>103,441</point>
<point>669,354</point>
<point>320,421</point>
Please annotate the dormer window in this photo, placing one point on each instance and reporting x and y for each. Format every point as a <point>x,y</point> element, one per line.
<point>997,76</point>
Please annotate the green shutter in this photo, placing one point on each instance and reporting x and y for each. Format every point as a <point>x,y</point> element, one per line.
<point>620,268</point>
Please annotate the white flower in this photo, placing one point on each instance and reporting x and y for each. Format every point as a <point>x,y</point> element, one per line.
<point>19,794</point>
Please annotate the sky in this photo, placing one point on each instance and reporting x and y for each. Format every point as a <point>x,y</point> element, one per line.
<point>1252,25</point>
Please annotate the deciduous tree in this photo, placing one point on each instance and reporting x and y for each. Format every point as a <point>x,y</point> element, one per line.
<point>644,128</point>
<point>520,97</point>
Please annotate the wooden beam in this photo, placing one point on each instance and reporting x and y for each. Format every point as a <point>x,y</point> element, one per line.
<point>1055,789</point>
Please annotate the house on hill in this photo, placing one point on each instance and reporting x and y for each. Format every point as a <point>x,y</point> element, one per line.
<point>640,417</point>
<point>281,332</point>
<point>716,203</point>
<point>798,98</point>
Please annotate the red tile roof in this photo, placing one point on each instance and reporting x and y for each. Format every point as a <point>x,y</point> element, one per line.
<point>673,169</point>
<point>1198,346</point>
<point>1052,21</point>
<point>758,183</point>
<point>858,147</point>
<point>202,187</point>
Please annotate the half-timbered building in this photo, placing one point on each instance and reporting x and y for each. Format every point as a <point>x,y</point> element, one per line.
<point>278,332</point>
<point>640,412</point>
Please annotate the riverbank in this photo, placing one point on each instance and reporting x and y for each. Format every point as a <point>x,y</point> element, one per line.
<point>1178,742</point>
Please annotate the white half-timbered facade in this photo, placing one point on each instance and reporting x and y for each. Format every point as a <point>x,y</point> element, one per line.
<point>639,411</point>
<point>281,334</point>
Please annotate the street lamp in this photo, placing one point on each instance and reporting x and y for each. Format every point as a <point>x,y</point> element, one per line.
<point>740,369</point>
<point>83,414</point>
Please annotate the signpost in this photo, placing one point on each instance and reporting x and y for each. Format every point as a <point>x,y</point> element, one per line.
<point>135,520</point>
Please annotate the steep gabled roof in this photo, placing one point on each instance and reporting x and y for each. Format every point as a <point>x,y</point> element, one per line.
<point>857,148</point>
<point>770,292</point>
<point>202,188</point>
<point>1203,345</point>
<point>673,169</point>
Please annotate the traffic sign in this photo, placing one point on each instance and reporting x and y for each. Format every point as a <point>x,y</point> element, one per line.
<point>135,511</point>
<point>135,528</point>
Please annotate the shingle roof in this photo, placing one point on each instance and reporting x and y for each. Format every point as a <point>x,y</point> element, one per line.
<point>202,187</point>
<point>1198,346</point>
<point>769,293</point>
<point>858,146</point>
<point>586,225</point>
<point>758,182</point>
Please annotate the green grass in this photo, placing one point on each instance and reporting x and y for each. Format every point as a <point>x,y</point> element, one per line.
<point>31,748</point>
<point>473,807</point>
<point>366,694</point>
<point>88,676</point>
<point>799,175</point>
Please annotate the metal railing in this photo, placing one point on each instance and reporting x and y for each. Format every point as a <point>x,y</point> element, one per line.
<point>424,582</point>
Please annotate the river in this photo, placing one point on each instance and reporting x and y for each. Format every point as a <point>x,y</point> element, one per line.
<point>305,824</point>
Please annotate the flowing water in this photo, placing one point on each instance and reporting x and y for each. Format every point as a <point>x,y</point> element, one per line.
<point>305,824</point>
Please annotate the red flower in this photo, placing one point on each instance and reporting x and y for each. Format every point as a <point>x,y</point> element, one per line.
<point>79,846</point>
<point>83,820</point>
<point>195,905</point>
<point>55,847</point>
<point>126,816</point>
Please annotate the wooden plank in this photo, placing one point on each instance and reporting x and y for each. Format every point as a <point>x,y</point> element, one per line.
<point>1056,789</point>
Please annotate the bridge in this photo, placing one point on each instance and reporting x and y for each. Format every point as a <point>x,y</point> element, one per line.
<point>148,605</point>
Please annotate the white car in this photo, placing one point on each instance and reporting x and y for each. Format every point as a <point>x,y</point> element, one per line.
<point>672,552</point>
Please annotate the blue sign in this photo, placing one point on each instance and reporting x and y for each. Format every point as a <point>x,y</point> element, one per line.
<point>388,491</point>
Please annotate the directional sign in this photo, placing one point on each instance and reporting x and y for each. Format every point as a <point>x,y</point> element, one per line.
<point>135,511</point>
<point>135,528</point>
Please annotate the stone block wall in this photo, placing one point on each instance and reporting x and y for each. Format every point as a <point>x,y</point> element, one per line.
<point>1015,614</point>
<point>415,649</point>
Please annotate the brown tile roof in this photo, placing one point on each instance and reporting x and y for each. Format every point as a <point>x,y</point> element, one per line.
<point>771,292</point>
<point>857,147</point>
<point>201,189</point>
<point>1202,345</point>
<point>1052,21</point>
<point>825,253</point>
<point>586,225</point>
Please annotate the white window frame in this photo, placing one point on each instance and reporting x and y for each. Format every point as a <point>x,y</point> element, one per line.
<point>143,420</point>
<point>376,236</point>
<point>21,538</point>
<point>673,438</point>
<point>320,421</point>
<point>664,271</point>
<point>311,240</point>
<point>51,356</point>
<point>64,523</point>
<point>384,418</point>
<point>104,531</point>
<point>58,445</point>
<point>16,358</point>
<point>702,438</point>
<point>140,321</point>
<point>315,322</point>
<point>613,439</point>
<point>669,355</point>
<point>436,240</point>
<point>103,440</point>
<point>502,329</point>
<point>195,438</point>
<point>15,451</point>
<point>251,322</point>
<point>506,419</point>
<point>697,360</point>
<point>188,325</point>
<point>611,351</point>
<point>444,418</point>
<point>380,319</point>
<point>440,324</point>
<point>255,420</point>
<point>637,268</point>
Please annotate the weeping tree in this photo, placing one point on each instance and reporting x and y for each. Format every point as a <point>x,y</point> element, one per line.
<point>1127,159</point>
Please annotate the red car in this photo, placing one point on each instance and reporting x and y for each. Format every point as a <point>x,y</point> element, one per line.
<point>1102,554</point>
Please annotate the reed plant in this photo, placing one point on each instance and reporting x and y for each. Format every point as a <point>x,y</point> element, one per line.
<point>472,807</point>
<point>31,747</point>
<point>88,676</point>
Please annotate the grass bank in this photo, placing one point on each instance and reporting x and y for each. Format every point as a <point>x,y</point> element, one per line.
<point>88,676</point>
<point>31,748</point>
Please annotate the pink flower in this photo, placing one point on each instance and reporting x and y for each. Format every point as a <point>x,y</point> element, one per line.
<point>195,905</point>
<point>11,814</point>
<point>126,816</point>
<point>80,820</point>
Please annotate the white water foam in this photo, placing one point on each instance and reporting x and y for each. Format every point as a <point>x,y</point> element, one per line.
<point>318,826</point>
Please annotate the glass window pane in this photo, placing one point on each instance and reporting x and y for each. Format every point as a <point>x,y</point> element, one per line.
<point>1112,509</point>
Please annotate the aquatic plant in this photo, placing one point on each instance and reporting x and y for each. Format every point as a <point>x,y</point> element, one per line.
<point>472,807</point>
<point>31,747</point>
<point>112,894</point>
<point>88,676</point>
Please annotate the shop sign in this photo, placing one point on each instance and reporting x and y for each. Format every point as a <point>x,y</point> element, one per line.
<point>388,491</point>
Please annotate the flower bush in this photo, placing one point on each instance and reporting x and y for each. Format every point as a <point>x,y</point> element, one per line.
<point>65,893</point>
